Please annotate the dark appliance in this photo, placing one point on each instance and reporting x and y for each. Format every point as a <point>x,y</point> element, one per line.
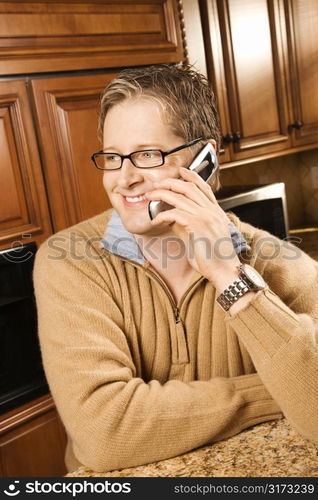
<point>263,206</point>
<point>21,373</point>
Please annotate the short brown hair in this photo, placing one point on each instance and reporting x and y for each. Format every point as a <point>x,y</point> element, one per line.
<point>185,95</point>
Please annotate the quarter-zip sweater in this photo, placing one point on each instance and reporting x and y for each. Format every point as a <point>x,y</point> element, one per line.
<point>137,378</point>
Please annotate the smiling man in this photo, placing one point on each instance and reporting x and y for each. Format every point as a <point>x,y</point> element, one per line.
<point>175,332</point>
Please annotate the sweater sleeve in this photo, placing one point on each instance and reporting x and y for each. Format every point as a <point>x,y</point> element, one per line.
<point>279,328</point>
<point>113,417</point>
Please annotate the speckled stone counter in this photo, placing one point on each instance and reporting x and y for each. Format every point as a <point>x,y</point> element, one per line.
<point>272,449</point>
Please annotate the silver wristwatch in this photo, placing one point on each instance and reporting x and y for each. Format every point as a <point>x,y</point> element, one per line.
<point>249,279</point>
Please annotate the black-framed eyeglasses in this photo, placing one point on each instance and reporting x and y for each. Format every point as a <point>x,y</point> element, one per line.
<point>147,158</point>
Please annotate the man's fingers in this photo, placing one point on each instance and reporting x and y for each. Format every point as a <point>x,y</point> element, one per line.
<point>194,177</point>
<point>177,200</point>
<point>170,217</point>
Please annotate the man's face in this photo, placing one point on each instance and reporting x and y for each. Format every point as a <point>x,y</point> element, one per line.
<point>131,126</point>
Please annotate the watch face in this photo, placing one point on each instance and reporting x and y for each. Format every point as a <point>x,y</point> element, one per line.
<point>253,276</point>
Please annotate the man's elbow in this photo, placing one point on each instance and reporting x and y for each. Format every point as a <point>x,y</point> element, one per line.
<point>105,454</point>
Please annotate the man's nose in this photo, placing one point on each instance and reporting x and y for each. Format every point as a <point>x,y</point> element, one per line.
<point>129,174</point>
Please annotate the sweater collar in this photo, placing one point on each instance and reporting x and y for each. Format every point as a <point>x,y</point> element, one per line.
<point>118,241</point>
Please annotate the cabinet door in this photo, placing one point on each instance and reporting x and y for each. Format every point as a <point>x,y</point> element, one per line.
<point>215,69</point>
<point>67,110</point>
<point>255,76</point>
<point>66,35</point>
<point>302,30</point>
<point>33,441</point>
<point>24,214</point>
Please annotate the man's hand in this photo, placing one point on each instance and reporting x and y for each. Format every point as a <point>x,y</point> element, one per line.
<point>202,225</point>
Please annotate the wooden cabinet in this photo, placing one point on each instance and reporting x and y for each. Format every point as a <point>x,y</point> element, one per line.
<point>255,80</point>
<point>48,132</point>
<point>67,116</point>
<point>247,66</point>
<point>302,37</point>
<point>24,214</point>
<point>46,35</point>
<point>32,441</point>
<point>262,62</point>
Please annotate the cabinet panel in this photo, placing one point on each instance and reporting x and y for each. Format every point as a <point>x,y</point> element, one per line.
<point>32,442</point>
<point>39,36</point>
<point>12,213</point>
<point>253,58</point>
<point>17,449</point>
<point>67,109</point>
<point>302,24</point>
<point>23,209</point>
<point>215,68</point>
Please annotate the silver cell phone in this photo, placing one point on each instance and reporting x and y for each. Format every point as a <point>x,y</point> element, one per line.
<point>205,164</point>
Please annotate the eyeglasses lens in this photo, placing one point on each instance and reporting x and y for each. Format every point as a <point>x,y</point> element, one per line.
<point>108,161</point>
<point>147,159</point>
<point>143,159</point>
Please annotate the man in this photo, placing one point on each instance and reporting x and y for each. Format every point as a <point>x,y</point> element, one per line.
<point>156,338</point>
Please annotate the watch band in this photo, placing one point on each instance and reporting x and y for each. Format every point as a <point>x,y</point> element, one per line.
<point>248,279</point>
<point>232,293</point>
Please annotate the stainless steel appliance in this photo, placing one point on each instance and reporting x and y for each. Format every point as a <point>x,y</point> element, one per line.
<point>263,206</point>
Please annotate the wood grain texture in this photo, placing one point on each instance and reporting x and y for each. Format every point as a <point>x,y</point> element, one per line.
<point>302,36</point>
<point>32,442</point>
<point>23,210</point>
<point>67,112</point>
<point>261,60</point>
<point>51,36</point>
<point>255,77</point>
<point>215,68</point>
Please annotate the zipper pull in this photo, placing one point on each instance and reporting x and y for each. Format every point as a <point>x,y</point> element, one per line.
<point>177,315</point>
<point>180,353</point>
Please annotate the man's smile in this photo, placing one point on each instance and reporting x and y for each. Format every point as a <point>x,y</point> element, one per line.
<point>135,200</point>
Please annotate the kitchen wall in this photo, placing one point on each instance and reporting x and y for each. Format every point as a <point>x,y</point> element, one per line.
<point>296,171</point>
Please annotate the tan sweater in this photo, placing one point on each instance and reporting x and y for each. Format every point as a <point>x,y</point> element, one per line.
<point>134,383</point>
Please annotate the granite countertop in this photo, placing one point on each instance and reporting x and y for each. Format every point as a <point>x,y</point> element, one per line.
<point>272,449</point>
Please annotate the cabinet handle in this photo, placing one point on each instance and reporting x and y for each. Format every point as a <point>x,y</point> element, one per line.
<point>228,138</point>
<point>298,124</point>
<point>236,136</point>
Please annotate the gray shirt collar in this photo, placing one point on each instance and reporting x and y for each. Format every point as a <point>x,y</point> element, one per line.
<point>119,241</point>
